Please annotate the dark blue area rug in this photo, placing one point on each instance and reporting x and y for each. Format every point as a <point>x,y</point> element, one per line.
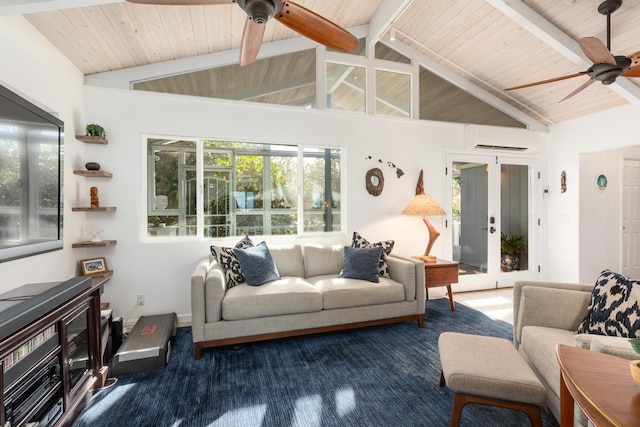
<point>378,376</point>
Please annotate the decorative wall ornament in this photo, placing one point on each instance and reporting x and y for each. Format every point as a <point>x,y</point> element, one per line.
<point>399,172</point>
<point>601,182</point>
<point>563,182</point>
<point>374,181</point>
<point>95,201</point>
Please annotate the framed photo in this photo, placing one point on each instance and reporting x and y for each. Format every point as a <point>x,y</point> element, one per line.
<point>93,266</point>
<point>601,182</point>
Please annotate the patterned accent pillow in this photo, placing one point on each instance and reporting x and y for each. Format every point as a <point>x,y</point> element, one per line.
<point>613,309</point>
<point>387,246</point>
<point>229,262</point>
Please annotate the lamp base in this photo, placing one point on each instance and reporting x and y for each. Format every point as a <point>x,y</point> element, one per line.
<point>426,258</point>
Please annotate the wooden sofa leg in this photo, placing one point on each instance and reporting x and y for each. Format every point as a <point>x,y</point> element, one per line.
<point>198,350</point>
<point>421,321</point>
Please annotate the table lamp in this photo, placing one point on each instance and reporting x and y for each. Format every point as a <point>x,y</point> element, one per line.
<point>423,204</point>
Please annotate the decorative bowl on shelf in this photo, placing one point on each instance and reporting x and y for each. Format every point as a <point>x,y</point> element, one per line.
<point>635,370</point>
<point>92,166</point>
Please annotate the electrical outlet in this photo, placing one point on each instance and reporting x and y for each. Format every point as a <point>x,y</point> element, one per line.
<point>140,299</point>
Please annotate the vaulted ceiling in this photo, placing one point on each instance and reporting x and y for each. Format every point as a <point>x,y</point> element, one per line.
<point>481,46</point>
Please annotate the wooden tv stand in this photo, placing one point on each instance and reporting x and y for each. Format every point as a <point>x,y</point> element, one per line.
<point>50,367</point>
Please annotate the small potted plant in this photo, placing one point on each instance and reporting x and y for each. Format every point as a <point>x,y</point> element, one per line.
<point>635,364</point>
<point>95,130</point>
<point>512,247</point>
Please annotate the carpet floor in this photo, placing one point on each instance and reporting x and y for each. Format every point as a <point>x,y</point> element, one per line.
<point>377,376</point>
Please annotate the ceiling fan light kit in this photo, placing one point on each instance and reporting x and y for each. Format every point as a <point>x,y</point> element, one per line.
<point>297,18</point>
<point>606,67</point>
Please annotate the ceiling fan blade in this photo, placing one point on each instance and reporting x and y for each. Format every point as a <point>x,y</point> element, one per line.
<point>251,40</point>
<point>182,2</point>
<point>580,89</point>
<point>556,79</point>
<point>596,51</point>
<point>315,27</point>
<point>634,69</point>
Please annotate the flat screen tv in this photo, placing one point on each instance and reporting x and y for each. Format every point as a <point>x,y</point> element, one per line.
<point>31,150</point>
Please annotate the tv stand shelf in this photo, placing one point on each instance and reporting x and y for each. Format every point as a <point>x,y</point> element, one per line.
<point>51,354</point>
<point>89,244</point>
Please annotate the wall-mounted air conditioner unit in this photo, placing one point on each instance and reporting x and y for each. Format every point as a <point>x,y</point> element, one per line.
<point>495,138</point>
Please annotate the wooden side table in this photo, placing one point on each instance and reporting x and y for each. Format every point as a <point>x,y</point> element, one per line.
<point>441,273</point>
<point>600,384</point>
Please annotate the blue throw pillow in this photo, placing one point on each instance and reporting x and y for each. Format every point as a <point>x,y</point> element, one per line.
<point>387,246</point>
<point>361,263</point>
<point>613,309</point>
<point>257,264</point>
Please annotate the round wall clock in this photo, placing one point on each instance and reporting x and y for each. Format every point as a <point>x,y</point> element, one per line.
<point>601,182</point>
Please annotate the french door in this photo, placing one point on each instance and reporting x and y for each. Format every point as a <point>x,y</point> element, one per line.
<point>493,219</point>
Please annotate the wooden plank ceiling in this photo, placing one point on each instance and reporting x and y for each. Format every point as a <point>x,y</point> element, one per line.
<point>471,38</point>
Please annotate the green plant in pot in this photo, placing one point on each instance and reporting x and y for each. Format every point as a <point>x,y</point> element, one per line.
<point>635,364</point>
<point>512,247</point>
<point>95,130</point>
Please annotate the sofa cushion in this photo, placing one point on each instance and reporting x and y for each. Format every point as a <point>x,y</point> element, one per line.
<point>539,345</point>
<point>343,293</point>
<point>322,259</point>
<point>257,264</point>
<point>387,246</point>
<point>288,295</point>
<point>288,260</point>
<point>613,309</point>
<point>229,262</point>
<point>361,263</point>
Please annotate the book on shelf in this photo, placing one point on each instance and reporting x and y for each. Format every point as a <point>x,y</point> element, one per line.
<point>27,347</point>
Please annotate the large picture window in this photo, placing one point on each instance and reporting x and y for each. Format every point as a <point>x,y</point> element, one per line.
<point>214,189</point>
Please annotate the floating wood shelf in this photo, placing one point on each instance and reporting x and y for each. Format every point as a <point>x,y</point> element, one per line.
<point>100,209</point>
<point>101,278</point>
<point>98,174</point>
<point>91,139</point>
<point>101,244</point>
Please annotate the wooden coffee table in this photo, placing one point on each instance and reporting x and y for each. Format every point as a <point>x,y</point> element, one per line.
<point>600,384</point>
<point>441,273</point>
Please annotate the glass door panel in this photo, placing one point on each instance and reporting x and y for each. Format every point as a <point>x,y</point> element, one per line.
<point>491,207</point>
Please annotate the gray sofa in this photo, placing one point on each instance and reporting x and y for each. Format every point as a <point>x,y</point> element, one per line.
<point>308,298</point>
<point>546,314</point>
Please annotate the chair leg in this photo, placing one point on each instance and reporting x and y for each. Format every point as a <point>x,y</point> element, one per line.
<point>442,381</point>
<point>459,400</point>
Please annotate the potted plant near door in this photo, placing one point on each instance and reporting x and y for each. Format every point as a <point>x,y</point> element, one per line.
<point>512,247</point>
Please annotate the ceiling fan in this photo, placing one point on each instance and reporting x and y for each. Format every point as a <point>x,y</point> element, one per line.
<point>292,15</point>
<point>606,67</point>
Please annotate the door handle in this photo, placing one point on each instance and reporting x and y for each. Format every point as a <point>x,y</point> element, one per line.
<point>492,230</point>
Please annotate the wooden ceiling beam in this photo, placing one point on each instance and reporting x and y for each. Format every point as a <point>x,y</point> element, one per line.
<point>558,40</point>
<point>22,7</point>
<point>384,18</point>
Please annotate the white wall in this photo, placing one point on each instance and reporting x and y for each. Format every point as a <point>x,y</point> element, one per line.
<point>34,69</point>
<point>584,224</point>
<point>161,271</point>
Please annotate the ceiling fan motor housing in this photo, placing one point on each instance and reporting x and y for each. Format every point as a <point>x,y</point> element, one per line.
<point>260,11</point>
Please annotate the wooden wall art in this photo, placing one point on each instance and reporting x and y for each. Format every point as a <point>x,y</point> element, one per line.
<point>374,181</point>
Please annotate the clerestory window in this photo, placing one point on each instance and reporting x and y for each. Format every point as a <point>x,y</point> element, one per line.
<point>213,189</point>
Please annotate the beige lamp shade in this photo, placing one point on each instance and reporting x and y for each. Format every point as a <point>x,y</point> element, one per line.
<point>423,204</point>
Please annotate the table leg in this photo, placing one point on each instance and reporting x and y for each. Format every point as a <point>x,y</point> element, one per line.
<point>451,305</point>
<point>566,404</point>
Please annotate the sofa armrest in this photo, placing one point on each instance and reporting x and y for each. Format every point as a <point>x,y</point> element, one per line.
<point>550,307</point>
<point>517,293</point>
<point>615,346</point>
<point>207,290</point>
<point>409,272</point>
